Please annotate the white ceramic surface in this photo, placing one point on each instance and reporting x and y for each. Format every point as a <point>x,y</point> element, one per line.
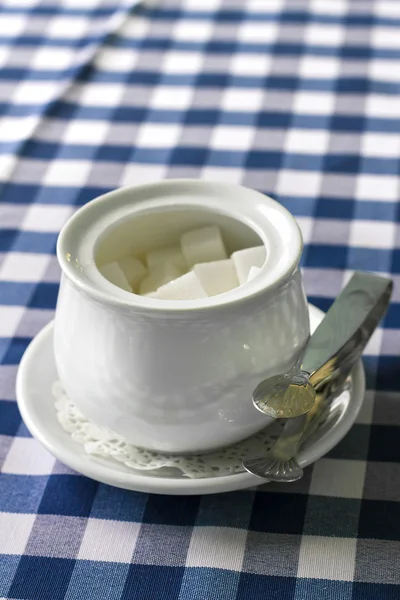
<point>177,376</point>
<point>36,375</point>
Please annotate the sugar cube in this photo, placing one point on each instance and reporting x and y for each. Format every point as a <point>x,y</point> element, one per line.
<point>203,245</point>
<point>113,272</point>
<point>254,271</point>
<point>217,277</point>
<point>133,269</point>
<point>157,258</point>
<point>159,277</point>
<point>245,259</point>
<point>187,287</point>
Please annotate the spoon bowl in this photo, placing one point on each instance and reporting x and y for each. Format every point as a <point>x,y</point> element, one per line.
<point>285,396</point>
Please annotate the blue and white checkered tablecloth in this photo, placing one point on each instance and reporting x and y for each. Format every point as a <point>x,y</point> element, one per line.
<point>296,98</point>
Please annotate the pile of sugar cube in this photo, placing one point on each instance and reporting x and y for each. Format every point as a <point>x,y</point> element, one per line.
<point>198,268</point>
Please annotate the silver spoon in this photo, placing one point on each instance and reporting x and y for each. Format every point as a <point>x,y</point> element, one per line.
<point>366,295</point>
<point>340,337</point>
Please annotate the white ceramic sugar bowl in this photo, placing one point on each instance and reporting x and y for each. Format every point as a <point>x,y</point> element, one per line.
<point>177,376</point>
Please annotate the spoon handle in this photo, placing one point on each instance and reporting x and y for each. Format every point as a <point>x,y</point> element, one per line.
<point>341,337</point>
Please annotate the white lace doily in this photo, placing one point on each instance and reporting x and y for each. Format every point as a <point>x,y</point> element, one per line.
<point>105,444</point>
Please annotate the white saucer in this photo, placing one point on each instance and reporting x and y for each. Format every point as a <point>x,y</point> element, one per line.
<point>37,373</point>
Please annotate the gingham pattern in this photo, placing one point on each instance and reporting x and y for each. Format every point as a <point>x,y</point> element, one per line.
<point>299,99</point>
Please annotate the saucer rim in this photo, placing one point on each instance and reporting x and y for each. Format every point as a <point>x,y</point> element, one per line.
<point>136,481</point>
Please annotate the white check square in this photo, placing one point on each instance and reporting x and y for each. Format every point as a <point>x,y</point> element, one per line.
<point>380,144</point>
<point>20,3</point>
<point>307,141</point>
<point>116,59</point>
<point>251,64</point>
<point>325,35</point>
<point>52,58</point>
<point>158,135</point>
<point>306,225</point>
<point>272,6</point>
<point>385,70</point>
<point>5,55</point>
<point>140,174</point>
<point>15,529</point>
<point>28,457</point>
<point>67,27</point>
<point>17,128</point>
<point>109,541</point>
<point>298,183</point>
<point>226,175</point>
<point>377,187</point>
<point>67,172</point>
<point>86,132</point>
<point>229,137</point>
<point>182,62</point>
<point>379,105</point>
<point>386,37</point>
<point>35,92</point>
<point>254,32</point>
<point>10,317</point>
<point>387,8</point>
<point>171,98</point>
<point>314,103</point>
<point>46,217</point>
<point>205,5</point>
<point>134,26</point>
<point>192,31</point>
<point>327,558</point>
<point>331,8</point>
<point>373,234</point>
<point>217,547</point>
<point>78,3</point>
<point>24,267</point>
<point>317,66</point>
<point>242,100</point>
<point>98,94</point>
<point>12,25</point>
<point>338,478</point>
